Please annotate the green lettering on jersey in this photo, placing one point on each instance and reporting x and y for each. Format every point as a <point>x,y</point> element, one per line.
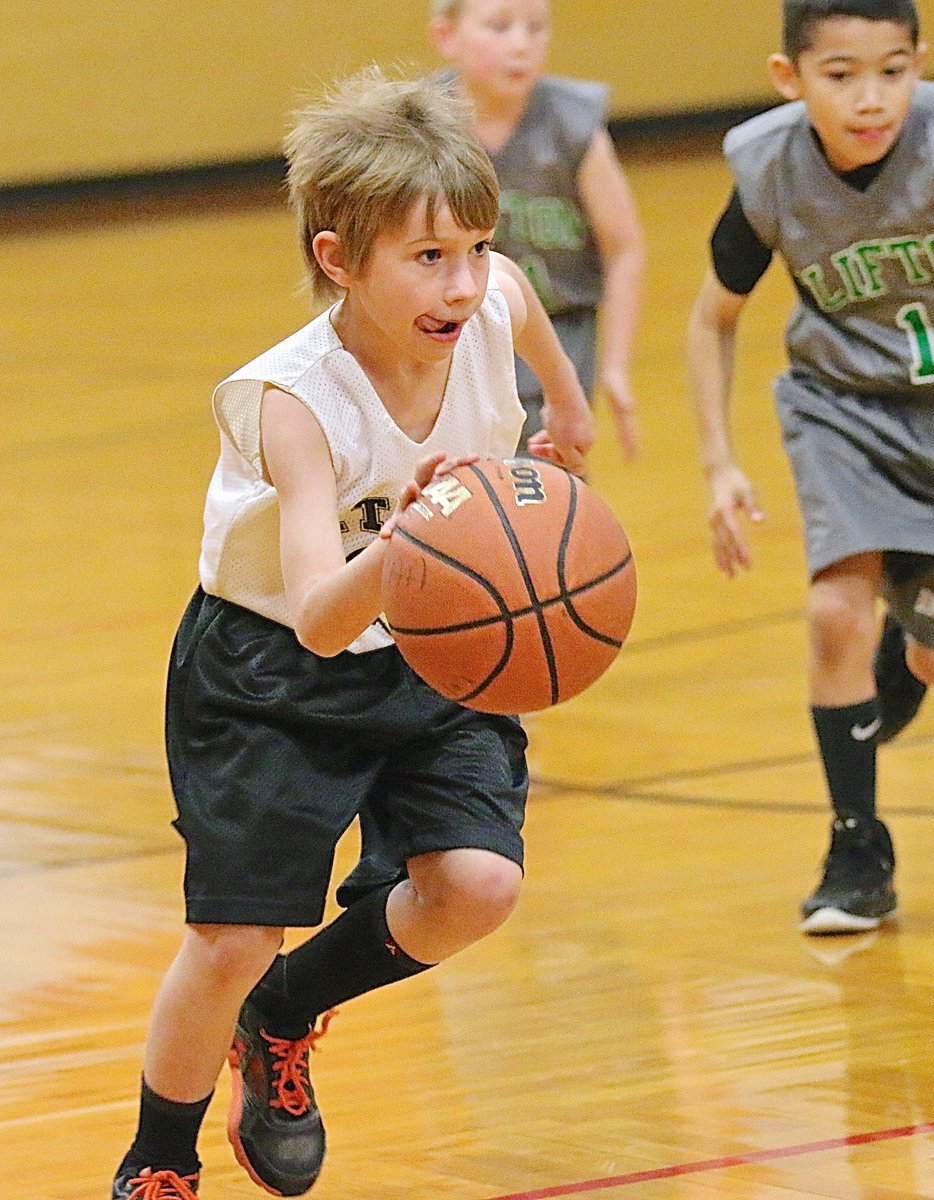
<point>868,255</point>
<point>907,250</point>
<point>915,321</point>
<point>813,279</point>
<point>861,270</point>
<point>848,268</point>
<point>536,271</point>
<point>514,217</point>
<point>544,222</point>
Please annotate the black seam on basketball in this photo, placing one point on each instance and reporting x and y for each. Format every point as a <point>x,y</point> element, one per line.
<point>543,633</point>
<point>504,616</point>
<point>562,578</point>
<point>453,562</point>
<point>566,536</point>
<point>496,671</point>
<point>512,614</point>
<point>582,624</point>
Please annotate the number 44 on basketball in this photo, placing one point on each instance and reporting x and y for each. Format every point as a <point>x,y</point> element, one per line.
<point>509,586</point>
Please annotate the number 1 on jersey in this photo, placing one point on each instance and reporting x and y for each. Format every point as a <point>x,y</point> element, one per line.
<point>914,319</point>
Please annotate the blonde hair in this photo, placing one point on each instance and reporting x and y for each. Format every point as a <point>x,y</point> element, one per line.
<point>362,156</point>
<point>445,10</point>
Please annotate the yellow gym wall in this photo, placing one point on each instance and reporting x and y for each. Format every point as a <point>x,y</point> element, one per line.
<point>116,86</point>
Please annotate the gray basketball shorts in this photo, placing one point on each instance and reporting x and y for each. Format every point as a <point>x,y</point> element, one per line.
<point>863,468</point>
<point>272,750</point>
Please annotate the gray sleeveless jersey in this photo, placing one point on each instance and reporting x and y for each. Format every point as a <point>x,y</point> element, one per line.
<point>542,224</point>
<point>863,262</point>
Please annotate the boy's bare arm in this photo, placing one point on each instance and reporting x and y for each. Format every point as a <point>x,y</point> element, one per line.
<point>331,601</point>
<point>711,351</point>
<point>611,212</point>
<point>568,419</point>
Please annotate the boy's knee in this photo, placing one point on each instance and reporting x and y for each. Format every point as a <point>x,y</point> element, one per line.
<point>483,897</point>
<point>474,890</point>
<point>235,951</point>
<point>838,626</point>
<point>493,892</point>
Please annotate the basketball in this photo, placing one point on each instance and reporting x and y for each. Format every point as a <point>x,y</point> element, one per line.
<point>509,585</point>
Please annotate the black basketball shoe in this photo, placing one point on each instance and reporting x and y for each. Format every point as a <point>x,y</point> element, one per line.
<point>273,1124</point>
<point>143,1183</point>
<point>900,693</point>
<point>856,892</point>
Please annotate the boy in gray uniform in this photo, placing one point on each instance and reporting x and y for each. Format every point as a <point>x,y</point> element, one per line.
<point>567,216</point>
<point>841,183</point>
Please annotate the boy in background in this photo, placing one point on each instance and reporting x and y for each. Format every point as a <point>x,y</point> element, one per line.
<point>567,215</point>
<point>840,182</point>
<point>567,218</point>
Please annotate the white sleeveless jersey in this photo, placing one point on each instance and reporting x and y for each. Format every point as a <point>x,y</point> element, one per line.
<point>372,458</point>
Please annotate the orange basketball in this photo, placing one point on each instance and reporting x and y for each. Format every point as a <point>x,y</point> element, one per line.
<point>509,585</point>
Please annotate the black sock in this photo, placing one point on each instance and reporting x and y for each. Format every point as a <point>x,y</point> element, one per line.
<point>847,740</point>
<point>354,954</point>
<point>167,1133</point>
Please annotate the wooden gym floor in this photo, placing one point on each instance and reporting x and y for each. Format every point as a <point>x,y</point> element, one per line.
<point>649,1024</point>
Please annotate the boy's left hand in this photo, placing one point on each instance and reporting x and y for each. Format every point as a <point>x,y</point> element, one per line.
<point>567,437</point>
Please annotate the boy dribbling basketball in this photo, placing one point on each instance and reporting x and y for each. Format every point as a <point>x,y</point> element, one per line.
<point>288,704</point>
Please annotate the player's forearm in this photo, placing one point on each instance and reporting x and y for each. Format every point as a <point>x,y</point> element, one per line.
<point>568,418</point>
<point>539,347</point>
<point>334,609</point>
<point>621,308</point>
<point>710,355</point>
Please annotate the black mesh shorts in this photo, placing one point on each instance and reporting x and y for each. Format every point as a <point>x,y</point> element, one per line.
<point>272,751</point>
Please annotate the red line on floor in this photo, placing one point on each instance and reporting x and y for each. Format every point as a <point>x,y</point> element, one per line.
<point>717,1164</point>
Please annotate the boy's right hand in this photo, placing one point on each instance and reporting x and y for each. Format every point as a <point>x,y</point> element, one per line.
<point>732,495</point>
<point>428,470</point>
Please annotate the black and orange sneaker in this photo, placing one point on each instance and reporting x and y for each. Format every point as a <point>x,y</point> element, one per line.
<point>274,1124</point>
<point>143,1183</point>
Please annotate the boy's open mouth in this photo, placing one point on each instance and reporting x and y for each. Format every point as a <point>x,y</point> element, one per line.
<point>430,325</point>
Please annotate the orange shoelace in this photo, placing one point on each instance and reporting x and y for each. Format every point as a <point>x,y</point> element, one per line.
<point>293,1086</point>
<point>163,1185</point>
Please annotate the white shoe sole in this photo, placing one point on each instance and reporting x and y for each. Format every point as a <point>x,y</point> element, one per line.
<point>835,920</point>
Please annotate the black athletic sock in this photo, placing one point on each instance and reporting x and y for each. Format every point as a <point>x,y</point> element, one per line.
<point>355,954</point>
<point>847,740</point>
<point>167,1133</point>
